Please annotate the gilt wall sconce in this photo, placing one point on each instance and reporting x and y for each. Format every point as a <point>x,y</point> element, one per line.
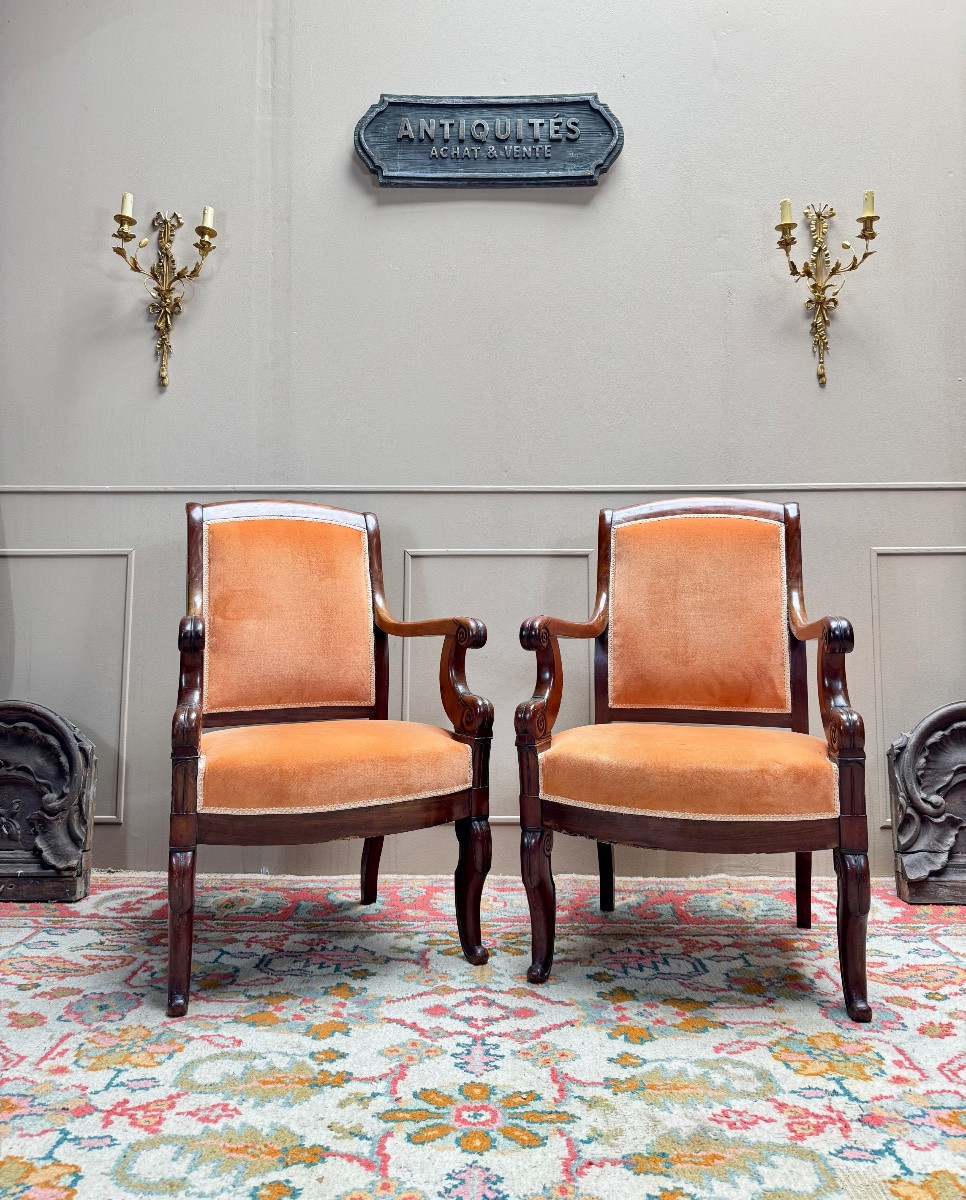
<point>819,271</point>
<point>168,280</point>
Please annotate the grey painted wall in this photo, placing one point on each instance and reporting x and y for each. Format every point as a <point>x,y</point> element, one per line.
<point>381,349</point>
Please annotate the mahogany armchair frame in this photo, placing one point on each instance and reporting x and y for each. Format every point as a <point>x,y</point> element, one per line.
<point>846,835</point>
<point>471,717</point>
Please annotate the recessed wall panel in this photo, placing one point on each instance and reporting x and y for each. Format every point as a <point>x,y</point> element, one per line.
<point>503,588</point>
<point>920,646</point>
<point>63,644</point>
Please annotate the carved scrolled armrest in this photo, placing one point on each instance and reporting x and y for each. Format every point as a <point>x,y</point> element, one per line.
<point>530,720</point>
<point>469,632</point>
<point>191,635</point>
<point>469,628</point>
<point>845,732</point>
<point>471,715</point>
<point>844,728</point>
<point>534,718</point>
<point>535,632</point>
<point>835,632</point>
<point>186,724</point>
<point>186,730</point>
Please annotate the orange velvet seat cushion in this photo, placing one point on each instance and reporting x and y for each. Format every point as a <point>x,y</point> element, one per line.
<point>698,614</point>
<point>720,772</point>
<point>310,765</point>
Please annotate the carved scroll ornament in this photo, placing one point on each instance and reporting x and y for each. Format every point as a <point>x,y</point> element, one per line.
<point>47,780</point>
<point>928,790</point>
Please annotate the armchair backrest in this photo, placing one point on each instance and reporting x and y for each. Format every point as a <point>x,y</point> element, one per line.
<point>698,614</point>
<point>285,590</point>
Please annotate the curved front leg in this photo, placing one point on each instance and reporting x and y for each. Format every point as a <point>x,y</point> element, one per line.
<point>476,851</point>
<point>181,919</point>
<point>852,915</point>
<point>536,846</point>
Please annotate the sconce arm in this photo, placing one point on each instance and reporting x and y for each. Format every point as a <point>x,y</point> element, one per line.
<point>131,260</point>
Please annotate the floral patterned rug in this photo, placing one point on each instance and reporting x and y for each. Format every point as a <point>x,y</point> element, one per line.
<point>692,1044</point>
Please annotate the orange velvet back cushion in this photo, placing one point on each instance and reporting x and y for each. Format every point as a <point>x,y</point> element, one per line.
<point>288,614</point>
<point>698,615</point>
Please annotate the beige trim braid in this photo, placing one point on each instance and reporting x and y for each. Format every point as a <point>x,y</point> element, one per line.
<point>784,608</point>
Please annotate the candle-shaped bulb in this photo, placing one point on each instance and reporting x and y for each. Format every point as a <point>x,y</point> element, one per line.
<point>208,217</point>
<point>786,212</point>
<point>127,205</point>
<point>868,204</point>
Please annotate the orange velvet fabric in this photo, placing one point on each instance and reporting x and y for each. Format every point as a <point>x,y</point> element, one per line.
<point>288,614</point>
<point>714,772</point>
<point>698,614</point>
<point>310,765</point>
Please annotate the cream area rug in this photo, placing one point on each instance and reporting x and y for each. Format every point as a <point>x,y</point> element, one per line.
<point>691,1044</point>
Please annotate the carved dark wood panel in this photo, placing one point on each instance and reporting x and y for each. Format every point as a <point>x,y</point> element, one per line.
<point>47,780</point>
<point>927,782</point>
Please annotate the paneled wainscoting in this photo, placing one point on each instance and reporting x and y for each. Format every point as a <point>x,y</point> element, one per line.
<point>84,633</point>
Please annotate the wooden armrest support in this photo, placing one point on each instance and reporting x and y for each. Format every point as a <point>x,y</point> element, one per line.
<point>535,630</point>
<point>845,732</point>
<point>534,718</point>
<point>471,715</point>
<point>844,728</point>
<point>186,731</point>
<point>835,632</point>
<point>186,725</point>
<point>473,629</point>
<point>191,635</point>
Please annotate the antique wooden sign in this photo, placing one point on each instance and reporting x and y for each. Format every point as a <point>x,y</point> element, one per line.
<point>489,141</point>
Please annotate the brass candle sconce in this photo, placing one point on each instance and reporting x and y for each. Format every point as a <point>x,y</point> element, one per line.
<point>168,280</point>
<point>819,271</point>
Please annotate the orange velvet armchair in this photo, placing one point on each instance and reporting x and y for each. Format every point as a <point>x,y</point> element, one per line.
<point>281,734</point>
<point>700,740</point>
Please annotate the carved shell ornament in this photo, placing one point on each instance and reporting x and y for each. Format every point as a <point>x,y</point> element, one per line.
<point>929,763</point>
<point>942,763</point>
<point>51,757</point>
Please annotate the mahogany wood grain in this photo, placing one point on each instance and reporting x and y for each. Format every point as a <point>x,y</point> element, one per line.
<point>369,870</point>
<point>300,829</point>
<point>476,854</point>
<point>803,889</point>
<point>605,867</point>
<point>181,918</point>
<point>852,913</point>
<point>691,834</point>
<point>536,847</point>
